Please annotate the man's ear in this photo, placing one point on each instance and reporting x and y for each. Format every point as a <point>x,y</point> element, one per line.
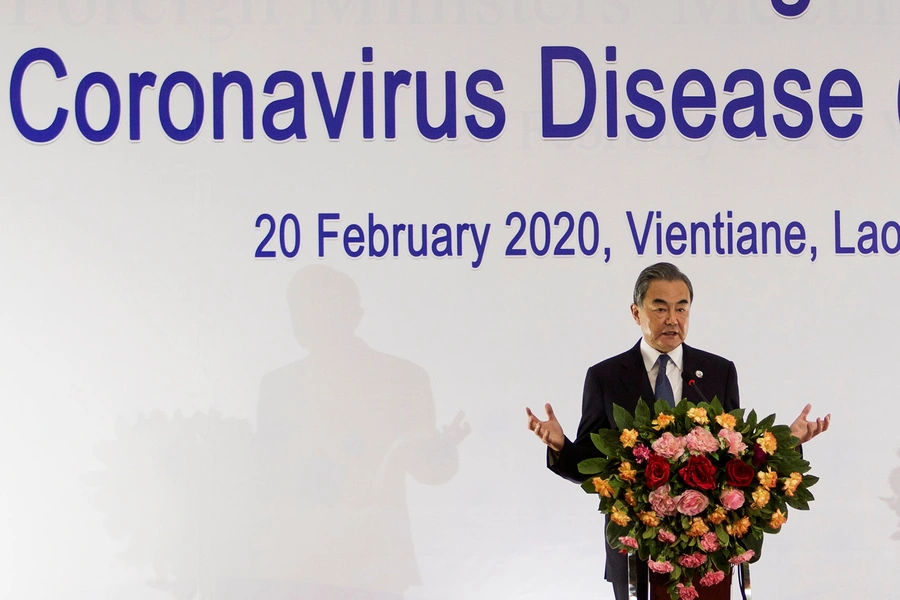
<point>635,314</point>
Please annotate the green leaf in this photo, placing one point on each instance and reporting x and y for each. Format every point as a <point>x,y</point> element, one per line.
<point>797,502</point>
<point>786,441</point>
<point>810,480</point>
<point>782,433</point>
<point>754,541</point>
<point>750,424</point>
<point>803,494</point>
<point>592,466</point>
<point>642,415</point>
<point>607,442</point>
<point>777,502</point>
<point>614,532</point>
<point>623,418</point>
<point>767,423</point>
<point>722,535</point>
<point>715,407</point>
<point>643,553</point>
<point>662,406</point>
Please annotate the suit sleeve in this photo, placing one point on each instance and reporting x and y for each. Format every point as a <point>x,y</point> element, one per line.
<point>732,396</point>
<point>593,418</point>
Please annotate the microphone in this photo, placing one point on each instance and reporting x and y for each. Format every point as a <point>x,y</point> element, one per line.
<point>693,384</point>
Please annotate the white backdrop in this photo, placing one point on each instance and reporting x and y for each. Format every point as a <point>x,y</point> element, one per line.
<point>183,419</point>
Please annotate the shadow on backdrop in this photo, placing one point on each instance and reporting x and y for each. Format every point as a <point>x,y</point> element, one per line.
<point>894,502</point>
<point>311,505</point>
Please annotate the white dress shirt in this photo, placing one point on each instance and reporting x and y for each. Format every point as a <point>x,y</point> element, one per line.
<point>673,369</point>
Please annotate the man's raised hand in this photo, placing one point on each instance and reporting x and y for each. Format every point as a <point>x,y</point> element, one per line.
<point>550,431</point>
<point>805,430</point>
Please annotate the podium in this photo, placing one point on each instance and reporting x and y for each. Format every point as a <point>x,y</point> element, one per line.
<point>658,588</point>
<point>721,591</point>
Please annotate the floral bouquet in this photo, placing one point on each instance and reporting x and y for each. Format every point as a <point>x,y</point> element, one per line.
<point>693,489</point>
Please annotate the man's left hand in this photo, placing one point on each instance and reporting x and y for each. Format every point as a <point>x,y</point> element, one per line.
<point>806,430</point>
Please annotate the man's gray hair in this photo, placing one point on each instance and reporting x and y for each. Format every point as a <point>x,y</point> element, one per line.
<point>659,272</point>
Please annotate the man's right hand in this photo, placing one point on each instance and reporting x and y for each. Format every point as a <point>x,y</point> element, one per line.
<point>550,431</point>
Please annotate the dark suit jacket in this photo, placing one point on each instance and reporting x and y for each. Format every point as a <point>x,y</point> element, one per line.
<point>623,380</point>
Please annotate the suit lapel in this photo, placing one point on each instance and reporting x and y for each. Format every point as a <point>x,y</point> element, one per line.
<point>635,380</point>
<point>692,364</point>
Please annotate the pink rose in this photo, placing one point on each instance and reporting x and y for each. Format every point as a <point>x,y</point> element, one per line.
<point>662,566</point>
<point>687,593</point>
<point>692,561</point>
<point>734,441</point>
<point>692,503</point>
<point>663,504</point>
<point>742,558</point>
<point>712,578</point>
<point>628,541</point>
<point>666,537</point>
<point>669,446</point>
<point>709,542</point>
<point>641,453</point>
<point>701,441</point>
<point>732,499</point>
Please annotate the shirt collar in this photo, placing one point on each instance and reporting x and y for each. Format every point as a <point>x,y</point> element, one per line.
<point>651,355</point>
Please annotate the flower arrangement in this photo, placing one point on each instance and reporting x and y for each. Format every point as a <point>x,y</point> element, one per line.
<point>693,489</point>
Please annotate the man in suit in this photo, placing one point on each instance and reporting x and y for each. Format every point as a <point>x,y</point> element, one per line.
<point>659,366</point>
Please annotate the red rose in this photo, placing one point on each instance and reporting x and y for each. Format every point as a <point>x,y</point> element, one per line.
<point>738,473</point>
<point>699,473</point>
<point>657,471</point>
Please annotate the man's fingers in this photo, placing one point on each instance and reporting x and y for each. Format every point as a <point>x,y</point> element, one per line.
<point>805,412</point>
<point>532,420</point>
<point>550,414</point>
<point>815,428</point>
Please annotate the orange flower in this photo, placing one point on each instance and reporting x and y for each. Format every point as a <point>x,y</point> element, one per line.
<point>626,473</point>
<point>761,497</point>
<point>739,529</point>
<point>602,487</point>
<point>769,479</point>
<point>727,421</point>
<point>698,528</point>
<point>790,484</point>
<point>718,515</point>
<point>698,415</point>
<point>649,518</point>
<point>662,421</point>
<point>629,497</point>
<point>619,517</point>
<point>768,442</point>
<point>628,438</point>
<point>778,519</point>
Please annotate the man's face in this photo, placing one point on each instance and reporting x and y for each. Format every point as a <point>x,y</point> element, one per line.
<point>665,314</point>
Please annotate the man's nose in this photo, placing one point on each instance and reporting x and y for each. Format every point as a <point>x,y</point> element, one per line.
<point>670,318</point>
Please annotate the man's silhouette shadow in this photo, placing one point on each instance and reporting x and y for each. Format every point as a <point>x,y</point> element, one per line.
<point>337,433</point>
